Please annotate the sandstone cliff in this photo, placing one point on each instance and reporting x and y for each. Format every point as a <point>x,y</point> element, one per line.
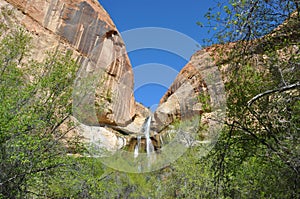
<point>205,75</point>
<point>85,28</point>
<point>103,89</point>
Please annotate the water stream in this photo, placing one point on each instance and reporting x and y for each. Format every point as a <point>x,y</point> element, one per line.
<point>149,145</point>
<point>137,147</point>
<point>136,151</point>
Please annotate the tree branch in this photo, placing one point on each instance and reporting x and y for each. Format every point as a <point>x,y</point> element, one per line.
<point>268,92</point>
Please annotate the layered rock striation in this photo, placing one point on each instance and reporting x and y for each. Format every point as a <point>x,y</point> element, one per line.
<point>86,29</point>
<point>103,90</point>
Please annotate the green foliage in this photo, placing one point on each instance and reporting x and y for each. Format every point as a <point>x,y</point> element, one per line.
<point>35,101</point>
<point>236,20</point>
<point>204,99</point>
<point>257,153</point>
<point>79,178</point>
<point>189,177</point>
<point>89,178</point>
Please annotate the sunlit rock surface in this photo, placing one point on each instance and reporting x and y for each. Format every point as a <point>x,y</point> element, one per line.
<point>85,28</point>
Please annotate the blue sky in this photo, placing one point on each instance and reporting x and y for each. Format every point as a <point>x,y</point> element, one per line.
<point>180,16</point>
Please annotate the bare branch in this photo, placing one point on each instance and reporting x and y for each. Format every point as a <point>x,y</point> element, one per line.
<point>268,92</point>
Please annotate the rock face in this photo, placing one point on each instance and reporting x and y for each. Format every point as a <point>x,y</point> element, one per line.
<point>188,96</point>
<point>181,99</point>
<point>103,91</point>
<point>203,78</point>
<point>85,28</point>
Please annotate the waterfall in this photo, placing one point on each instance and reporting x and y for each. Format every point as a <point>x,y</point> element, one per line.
<point>149,145</point>
<point>161,140</point>
<point>137,147</point>
<point>136,151</point>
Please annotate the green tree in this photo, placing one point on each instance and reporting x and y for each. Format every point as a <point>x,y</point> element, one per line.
<point>35,102</point>
<point>257,154</point>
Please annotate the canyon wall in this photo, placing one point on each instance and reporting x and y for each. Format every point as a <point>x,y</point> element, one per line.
<point>86,29</point>
<point>103,90</point>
